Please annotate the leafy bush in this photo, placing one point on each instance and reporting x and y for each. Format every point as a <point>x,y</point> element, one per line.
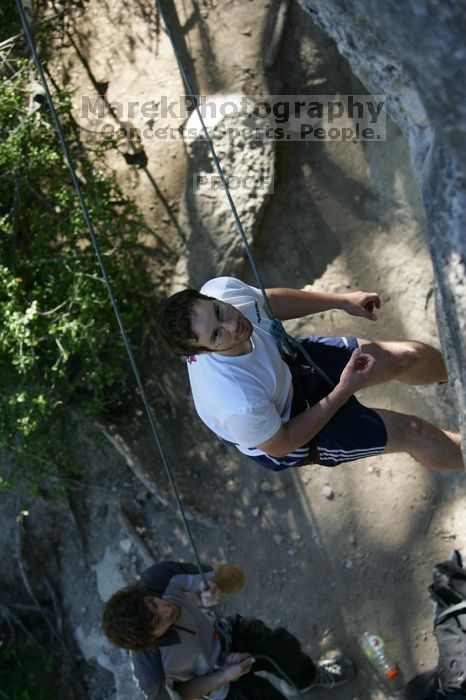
<point>59,341</point>
<point>25,674</point>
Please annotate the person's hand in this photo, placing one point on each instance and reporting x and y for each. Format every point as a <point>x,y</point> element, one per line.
<point>362,304</point>
<point>358,370</point>
<point>236,666</point>
<point>209,594</point>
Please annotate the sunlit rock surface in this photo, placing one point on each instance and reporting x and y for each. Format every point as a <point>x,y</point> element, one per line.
<point>213,244</point>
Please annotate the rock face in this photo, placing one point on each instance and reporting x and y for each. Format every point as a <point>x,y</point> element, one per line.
<point>212,242</point>
<point>94,646</point>
<point>414,52</point>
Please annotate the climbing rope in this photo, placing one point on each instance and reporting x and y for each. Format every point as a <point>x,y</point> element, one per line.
<point>219,623</point>
<point>279,331</point>
<point>288,344</point>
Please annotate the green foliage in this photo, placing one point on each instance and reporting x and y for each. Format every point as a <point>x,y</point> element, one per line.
<point>25,674</point>
<point>59,341</point>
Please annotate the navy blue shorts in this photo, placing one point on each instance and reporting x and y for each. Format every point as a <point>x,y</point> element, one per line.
<point>354,432</point>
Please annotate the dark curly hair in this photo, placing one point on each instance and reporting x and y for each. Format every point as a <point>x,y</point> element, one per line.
<point>127,621</point>
<point>174,322</point>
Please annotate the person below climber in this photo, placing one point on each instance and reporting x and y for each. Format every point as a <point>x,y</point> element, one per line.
<point>178,653</point>
<point>447,681</point>
<point>245,392</point>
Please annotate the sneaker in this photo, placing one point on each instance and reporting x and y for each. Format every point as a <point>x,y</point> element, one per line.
<point>334,672</point>
<point>331,673</point>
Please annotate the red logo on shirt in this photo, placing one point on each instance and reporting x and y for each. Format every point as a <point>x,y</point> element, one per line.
<point>192,358</point>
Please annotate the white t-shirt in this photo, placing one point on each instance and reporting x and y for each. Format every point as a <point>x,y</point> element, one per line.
<point>244,399</point>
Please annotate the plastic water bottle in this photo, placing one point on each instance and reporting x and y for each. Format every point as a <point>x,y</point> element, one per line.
<point>376,652</point>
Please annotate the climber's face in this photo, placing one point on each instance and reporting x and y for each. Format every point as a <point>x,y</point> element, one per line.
<point>219,327</point>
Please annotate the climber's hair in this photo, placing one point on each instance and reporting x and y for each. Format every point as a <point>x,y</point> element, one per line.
<point>174,322</point>
<point>127,620</point>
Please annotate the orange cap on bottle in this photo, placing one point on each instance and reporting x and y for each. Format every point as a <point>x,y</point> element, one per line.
<point>392,673</point>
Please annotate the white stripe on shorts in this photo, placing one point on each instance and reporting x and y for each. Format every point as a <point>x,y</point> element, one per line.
<point>348,455</point>
<point>291,458</point>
